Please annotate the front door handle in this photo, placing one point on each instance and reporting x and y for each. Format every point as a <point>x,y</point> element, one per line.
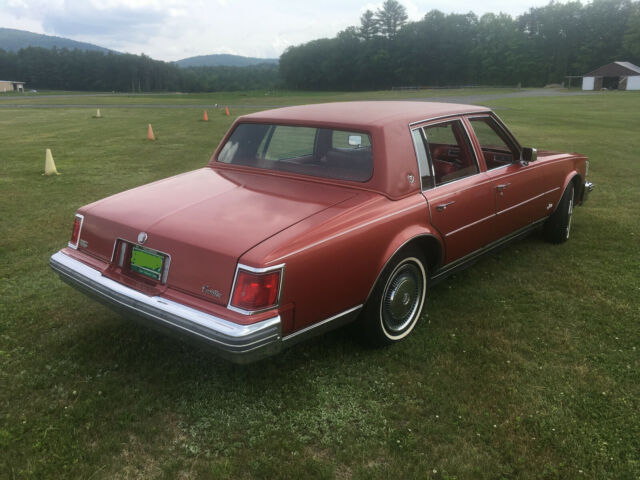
<point>443,206</point>
<point>502,186</point>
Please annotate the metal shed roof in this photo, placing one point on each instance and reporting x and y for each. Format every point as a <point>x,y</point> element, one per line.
<point>615,69</point>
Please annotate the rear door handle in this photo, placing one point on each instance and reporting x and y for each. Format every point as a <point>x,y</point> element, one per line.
<point>502,186</point>
<point>443,206</point>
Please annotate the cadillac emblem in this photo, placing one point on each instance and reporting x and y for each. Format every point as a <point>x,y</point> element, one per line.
<point>142,238</point>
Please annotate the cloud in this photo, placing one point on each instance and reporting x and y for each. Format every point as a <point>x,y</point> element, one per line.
<point>174,29</point>
<point>86,18</point>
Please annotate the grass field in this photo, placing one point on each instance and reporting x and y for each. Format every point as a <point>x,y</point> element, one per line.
<point>527,365</point>
<point>276,97</point>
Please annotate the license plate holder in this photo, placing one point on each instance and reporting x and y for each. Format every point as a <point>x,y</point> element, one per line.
<point>147,262</point>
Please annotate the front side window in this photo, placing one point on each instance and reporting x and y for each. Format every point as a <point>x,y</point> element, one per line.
<point>449,151</point>
<point>497,149</point>
<point>319,152</point>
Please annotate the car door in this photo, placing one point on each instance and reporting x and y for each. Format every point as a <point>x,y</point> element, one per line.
<point>460,197</point>
<point>519,188</point>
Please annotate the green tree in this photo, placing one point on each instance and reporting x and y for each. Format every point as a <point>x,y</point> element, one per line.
<point>631,41</point>
<point>369,26</point>
<point>391,18</point>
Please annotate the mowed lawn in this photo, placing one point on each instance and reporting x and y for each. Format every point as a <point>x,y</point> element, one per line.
<point>526,365</point>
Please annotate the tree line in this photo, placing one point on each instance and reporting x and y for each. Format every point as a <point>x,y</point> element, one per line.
<point>63,69</point>
<point>536,48</point>
<point>539,47</point>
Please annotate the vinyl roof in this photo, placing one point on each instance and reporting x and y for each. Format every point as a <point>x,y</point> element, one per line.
<point>363,114</point>
<point>615,69</point>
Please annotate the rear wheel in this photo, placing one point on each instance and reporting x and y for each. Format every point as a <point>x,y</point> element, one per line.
<point>558,226</point>
<point>396,302</point>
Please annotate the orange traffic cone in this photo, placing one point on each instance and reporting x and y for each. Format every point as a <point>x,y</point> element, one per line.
<point>226,111</point>
<point>204,117</point>
<point>150,135</point>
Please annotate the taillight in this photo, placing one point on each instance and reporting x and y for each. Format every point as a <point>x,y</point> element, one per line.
<point>256,291</point>
<point>75,233</point>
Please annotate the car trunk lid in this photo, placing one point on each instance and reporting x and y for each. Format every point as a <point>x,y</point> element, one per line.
<point>202,221</point>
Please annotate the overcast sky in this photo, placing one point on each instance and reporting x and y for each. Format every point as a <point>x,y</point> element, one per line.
<point>174,29</point>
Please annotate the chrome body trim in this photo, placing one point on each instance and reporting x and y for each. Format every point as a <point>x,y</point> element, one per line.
<point>470,258</point>
<point>458,230</point>
<point>238,343</point>
<point>326,325</point>
<point>75,245</point>
<point>241,266</point>
<point>528,200</point>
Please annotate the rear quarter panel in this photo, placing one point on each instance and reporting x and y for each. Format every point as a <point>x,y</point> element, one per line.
<point>334,258</point>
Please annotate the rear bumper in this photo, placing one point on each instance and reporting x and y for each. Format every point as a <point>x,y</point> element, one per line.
<point>237,343</point>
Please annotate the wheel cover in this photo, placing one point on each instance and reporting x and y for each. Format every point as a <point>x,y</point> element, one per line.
<point>402,297</point>
<point>569,215</point>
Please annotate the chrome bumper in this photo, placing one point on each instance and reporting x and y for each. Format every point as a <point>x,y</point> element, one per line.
<point>588,188</point>
<point>238,343</point>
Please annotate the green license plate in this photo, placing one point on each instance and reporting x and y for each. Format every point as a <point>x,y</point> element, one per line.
<point>146,262</point>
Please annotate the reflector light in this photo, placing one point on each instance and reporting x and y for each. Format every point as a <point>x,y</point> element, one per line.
<point>75,233</point>
<point>256,291</point>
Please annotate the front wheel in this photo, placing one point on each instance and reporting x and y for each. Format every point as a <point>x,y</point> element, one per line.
<point>558,226</point>
<point>395,304</point>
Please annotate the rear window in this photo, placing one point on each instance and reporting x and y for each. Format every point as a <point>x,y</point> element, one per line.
<point>319,152</point>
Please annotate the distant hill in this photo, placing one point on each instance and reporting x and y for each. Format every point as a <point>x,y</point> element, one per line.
<point>224,60</point>
<point>13,40</point>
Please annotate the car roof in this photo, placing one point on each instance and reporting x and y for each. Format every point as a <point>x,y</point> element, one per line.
<point>363,115</point>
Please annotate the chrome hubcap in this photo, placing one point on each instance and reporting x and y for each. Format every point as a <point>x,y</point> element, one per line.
<point>402,297</point>
<point>569,214</point>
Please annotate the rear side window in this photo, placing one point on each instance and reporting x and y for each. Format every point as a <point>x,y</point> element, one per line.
<point>319,152</point>
<point>449,151</point>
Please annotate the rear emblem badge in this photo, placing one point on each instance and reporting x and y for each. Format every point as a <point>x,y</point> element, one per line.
<point>210,291</point>
<point>142,237</point>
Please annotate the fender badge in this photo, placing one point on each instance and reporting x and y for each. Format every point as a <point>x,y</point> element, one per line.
<point>209,291</point>
<point>142,237</point>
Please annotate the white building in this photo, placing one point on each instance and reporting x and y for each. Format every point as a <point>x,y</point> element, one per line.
<point>11,86</point>
<point>613,76</point>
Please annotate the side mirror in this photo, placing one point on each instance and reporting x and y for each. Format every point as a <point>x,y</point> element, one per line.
<point>529,155</point>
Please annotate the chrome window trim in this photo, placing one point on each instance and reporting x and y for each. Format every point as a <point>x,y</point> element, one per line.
<point>241,266</point>
<point>427,157</point>
<point>479,183</point>
<point>120,263</point>
<point>75,245</point>
<point>451,115</point>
